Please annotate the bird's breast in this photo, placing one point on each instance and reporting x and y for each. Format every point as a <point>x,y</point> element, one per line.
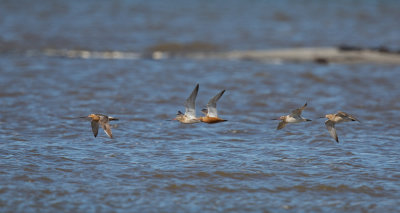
<point>211,119</point>
<point>290,119</point>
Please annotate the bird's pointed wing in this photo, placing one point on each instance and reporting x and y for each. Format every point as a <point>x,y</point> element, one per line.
<point>105,125</point>
<point>107,129</point>
<point>190,103</point>
<point>212,105</point>
<point>95,128</point>
<point>297,112</point>
<point>281,125</point>
<point>112,118</point>
<point>346,115</point>
<point>331,128</point>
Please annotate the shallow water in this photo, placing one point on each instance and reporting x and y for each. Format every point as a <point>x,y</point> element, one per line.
<point>50,160</point>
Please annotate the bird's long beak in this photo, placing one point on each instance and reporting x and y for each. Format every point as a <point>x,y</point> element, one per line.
<point>274,119</point>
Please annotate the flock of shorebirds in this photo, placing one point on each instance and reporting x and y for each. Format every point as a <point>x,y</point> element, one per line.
<point>211,116</point>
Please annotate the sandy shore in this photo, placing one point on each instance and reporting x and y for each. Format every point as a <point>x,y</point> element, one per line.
<point>318,55</point>
<point>321,55</point>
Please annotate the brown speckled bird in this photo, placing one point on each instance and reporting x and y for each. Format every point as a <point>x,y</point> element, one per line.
<point>294,117</point>
<point>333,119</point>
<point>103,120</point>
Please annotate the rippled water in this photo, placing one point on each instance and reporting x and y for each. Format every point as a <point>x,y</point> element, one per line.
<point>51,162</point>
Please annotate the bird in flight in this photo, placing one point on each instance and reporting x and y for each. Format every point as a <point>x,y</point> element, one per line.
<point>293,117</point>
<point>103,121</point>
<point>190,109</point>
<point>333,119</point>
<point>211,115</point>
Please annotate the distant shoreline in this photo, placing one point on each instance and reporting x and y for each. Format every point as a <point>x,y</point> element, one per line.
<point>320,55</point>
